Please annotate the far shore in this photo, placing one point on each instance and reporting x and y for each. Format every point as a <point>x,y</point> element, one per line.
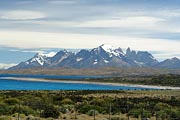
<point>87,82</point>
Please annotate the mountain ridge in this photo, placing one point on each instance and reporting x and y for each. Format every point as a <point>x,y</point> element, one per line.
<point>101,56</point>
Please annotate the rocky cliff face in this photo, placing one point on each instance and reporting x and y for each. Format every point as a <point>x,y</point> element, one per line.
<point>102,56</point>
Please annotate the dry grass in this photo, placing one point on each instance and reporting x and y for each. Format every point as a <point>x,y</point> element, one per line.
<point>138,94</point>
<point>93,71</point>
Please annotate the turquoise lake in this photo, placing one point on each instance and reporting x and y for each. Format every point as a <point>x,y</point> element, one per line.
<point>9,84</point>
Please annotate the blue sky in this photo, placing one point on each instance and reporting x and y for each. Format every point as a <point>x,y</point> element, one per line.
<point>30,26</point>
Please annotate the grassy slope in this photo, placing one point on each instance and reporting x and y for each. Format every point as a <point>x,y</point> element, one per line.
<point>108,71</point>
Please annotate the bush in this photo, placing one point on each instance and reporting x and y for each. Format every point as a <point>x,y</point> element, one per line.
<point>11,101</point>
<point>67,101</point>
<point>98,102</point>
<point>135,113</point>
<point>91,112</point>
<point>5,109</point>
<point>175,114</point>
<point>50,111</point>
<point>22,115</point>
<point>146,114</point>
<point>160,106</point>
<point>15,115</point>
<point>86,108</point>
<point>118,118</point>
<point>6,118</point>
<point>162,114</point>
<point>27,110</point>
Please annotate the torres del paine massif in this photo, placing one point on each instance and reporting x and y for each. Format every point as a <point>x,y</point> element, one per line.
<point>102,56</point>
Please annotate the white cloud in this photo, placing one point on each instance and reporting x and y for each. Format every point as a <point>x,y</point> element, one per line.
<point>168,12</point>
<point>33,51</point>
<point>62,1</point>
<point>136,21</point>
<point>145,23</point>
<point>21,15</point>
<point>6,66</point>
<point>39,40</point>
<point>53,23</point>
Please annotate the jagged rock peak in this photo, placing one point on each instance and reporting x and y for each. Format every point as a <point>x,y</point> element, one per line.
<point>111,49</point>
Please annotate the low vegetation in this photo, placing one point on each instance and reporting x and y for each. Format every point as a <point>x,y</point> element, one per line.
<point>163,80</point>
<point>80,105</point>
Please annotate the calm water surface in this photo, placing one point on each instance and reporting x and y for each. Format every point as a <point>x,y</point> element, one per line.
<point>9,84</point>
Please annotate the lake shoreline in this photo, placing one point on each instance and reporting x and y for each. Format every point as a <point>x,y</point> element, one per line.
<point>97,83</point>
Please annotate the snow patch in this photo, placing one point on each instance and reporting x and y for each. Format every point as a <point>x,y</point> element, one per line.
<point>112,50</point>
<point>38,59</point>
<point>63,57</point>
<point>51,54</point>
<point>139,63</point>
<point>106,61</point>
<point>95,61</point>
<point>79,59</point>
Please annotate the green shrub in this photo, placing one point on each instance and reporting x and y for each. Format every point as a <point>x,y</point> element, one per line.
<point>27,110</point>
<point>160,106</point>
<point>99,102</point>
<point>162,114</point>
<point>6,118</point>
<point>22,115</point>
<point>67,101</point>
<point>174,114</point>
<point>5,109</point>
<point>86,108</point>
<point>146,114</point>
<point>50,111</point>
<point>11,101</point>
<point>15,115</point>
<point>92,112</point>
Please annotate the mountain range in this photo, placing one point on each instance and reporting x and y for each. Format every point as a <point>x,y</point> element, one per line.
<point>102,56</point>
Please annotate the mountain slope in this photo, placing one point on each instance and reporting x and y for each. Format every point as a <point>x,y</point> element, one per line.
<point>102,56</point>
<point>173,63</point>
<point>142,58</point>
<point>36,62</point>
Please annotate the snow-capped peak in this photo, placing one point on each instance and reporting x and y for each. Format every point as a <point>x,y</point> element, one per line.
<point>107,47</point>
<point>112,50</point>
<point>41,58</point>
<point>51,54</point>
